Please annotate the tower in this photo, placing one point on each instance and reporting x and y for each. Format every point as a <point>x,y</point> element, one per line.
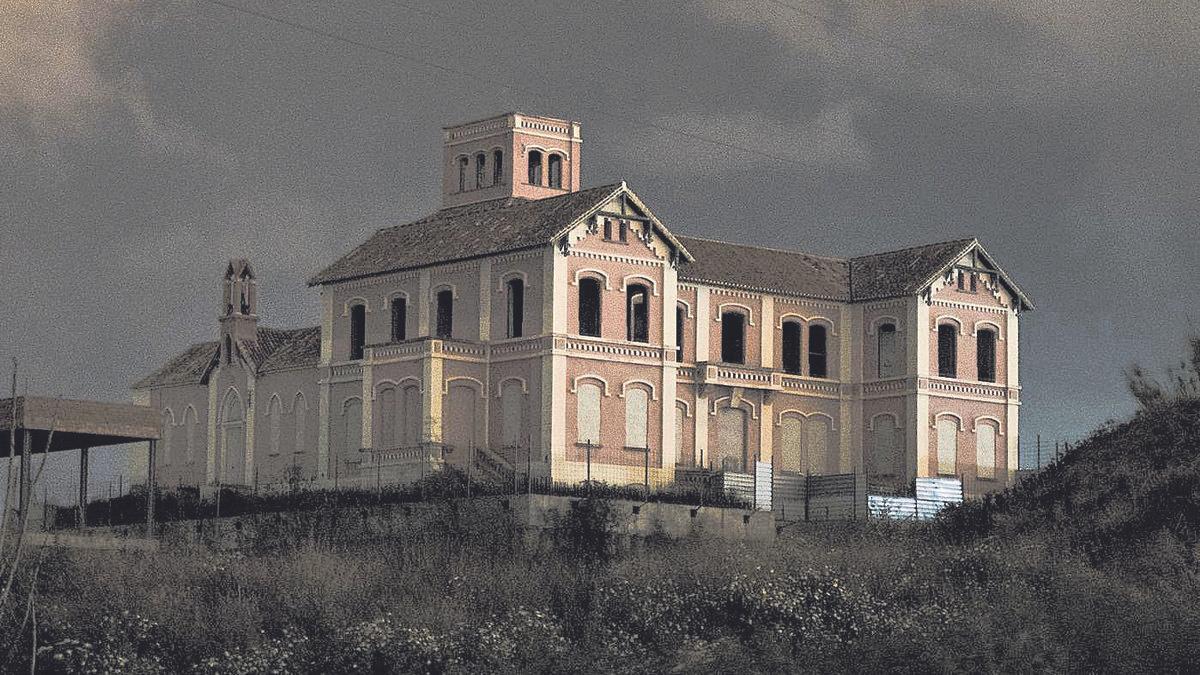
<point>512,155</point>
<point>239,307</point>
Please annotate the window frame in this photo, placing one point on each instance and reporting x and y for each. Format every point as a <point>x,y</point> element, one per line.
<point>947,354</point>
<point>821,356</point>
<point>358,331</point>
<point>514,293</point>
<point>784,357</point>
<point>480,166</point>
<point>534,169</point>
<point>594,315</point>
<point>637,322</point>
<point>982,356</point>
<point>444,314</point>
<point>554,171</point>
<point>729,343</point>
<point>399,320</point>
<point>497,166</point>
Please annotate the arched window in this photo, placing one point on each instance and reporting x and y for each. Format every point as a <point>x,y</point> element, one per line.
<point>399,319</point>
<point>731,439</point>
<point>817,343</point>
<point>791,347</point>
<point>233,440</point>
<point>462,174</point>
<point>885,459</point>
<point>535,167</point>
<point>554,172</point>
<point>274,424</point>
<point>822,455</point>
<point>985,354</point>
<point>637,407</point>
<point>589,307</point>
<point>733,337</point>
<point>497,167</point>
<point>300,420</point>
<point>445,313</point>
<point>947,448</point>
<point>358,331</point>
<point>947,350</point>
<point>480,164</point>
<point>587,412</point>
<point>512,414</point>
<point>387,410</point>
<point>637,313</point>
<point>680,420</point>
<point>410,425</point>
<point>792,439</point>
<point>349,439</point>
<point>985,450</point>
<point>886,356</point>
<point>680,321</point>
<point>516,307</point>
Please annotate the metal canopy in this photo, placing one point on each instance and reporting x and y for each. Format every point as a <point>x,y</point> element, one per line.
<point>75,424</point>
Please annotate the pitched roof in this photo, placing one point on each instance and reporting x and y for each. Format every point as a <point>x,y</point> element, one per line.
<point>275,350</point>
<point>467,231</point>
<point>903,272</point>
<point>766,269</point>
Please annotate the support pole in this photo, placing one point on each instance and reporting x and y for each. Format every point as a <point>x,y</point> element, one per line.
<point>26,493</point>
<point>83,486</point>
<point>150,488</point>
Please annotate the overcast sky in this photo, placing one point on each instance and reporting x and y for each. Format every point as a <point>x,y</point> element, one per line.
<point>144,143</point>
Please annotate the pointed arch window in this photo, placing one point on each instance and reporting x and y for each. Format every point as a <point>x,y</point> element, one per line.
<point>947,350</point>
<point>480,165</point>
<point>791,347</point>
<point>554,172</point>
<point>589,307</point>
<point>497,167</point>
<point>637,313</point>
<point>445,313</point>
<point>516,307</point>
<point>817,355</point>
<point>535,167</point>
<point>985,354</point>
<point>300,420</point>
<point>733,337</point>
<point>358,331</point>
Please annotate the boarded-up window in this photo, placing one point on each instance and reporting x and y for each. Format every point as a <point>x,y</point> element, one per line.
<point>791,347</point>
<point>733,337</point>
<point>589,307</point>
<point>985,354</point>
<point>637,404</point>
<point>512,413</point>
<point>822,455</point>
<point>358,331</point>
<point>947,448</point>
<point>887,350</point>
<point>791,439</point>
<point>386,409</point>
<point>587,396</point>
<point>411,419</point>
<point>275,424</point>
<point>885,457</point>
<point>731,439</point>
<point>985,450</point>
<point>459,420</point>
<point>947,350</point>
<point>817,346</point>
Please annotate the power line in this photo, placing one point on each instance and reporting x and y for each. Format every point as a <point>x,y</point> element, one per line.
<point>509,84</point>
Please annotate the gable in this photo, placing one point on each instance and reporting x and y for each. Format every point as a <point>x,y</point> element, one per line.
<point>600,229</point>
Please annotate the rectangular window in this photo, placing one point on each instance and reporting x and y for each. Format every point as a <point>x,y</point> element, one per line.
<point>607,230</point>
<point>445,313</point>
<point>623,231</point>
<point>817,346</point>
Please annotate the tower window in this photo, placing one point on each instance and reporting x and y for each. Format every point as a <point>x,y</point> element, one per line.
<point>947,350</point>
<point>462,174</point>
<point>497,167</point>
<point>480,162</point>
<point>589,307</point>
<point>791,347</point>
<point>555,171</point>
<point>445,313</point>
<point>535,167</point>
<point>637,313</point>
<point>985,355</point>
<point>516,307</point>
<point>817,354</point>
<point>733,337</point>
<point>399,318</point>
<point>358,331</point>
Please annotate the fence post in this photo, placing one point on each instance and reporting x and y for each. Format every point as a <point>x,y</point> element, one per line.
<point>589,467</point>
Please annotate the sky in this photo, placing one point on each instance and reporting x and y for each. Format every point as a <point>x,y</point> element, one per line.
<point>144,143</point>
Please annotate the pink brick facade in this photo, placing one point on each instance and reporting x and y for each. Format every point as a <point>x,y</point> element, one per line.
<point>827,382</point>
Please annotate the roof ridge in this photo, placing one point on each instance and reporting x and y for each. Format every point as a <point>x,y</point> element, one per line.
<point>913,248</point>
<point>766,248</point>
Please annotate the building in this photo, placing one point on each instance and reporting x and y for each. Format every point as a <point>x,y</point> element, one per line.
<point>534,322</point>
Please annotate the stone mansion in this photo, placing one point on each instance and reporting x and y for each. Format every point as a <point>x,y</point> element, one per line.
<point>537,322</point>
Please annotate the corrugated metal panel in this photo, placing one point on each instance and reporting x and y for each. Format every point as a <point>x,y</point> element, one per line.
<point>738,485</point>
<point>895,508</point>
<point>787,495</point>
<point>934,494</point>
<point>762,488</point>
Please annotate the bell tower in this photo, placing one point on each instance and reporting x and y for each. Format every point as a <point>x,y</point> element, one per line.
<point>512,155</point>
<point>239,306</point>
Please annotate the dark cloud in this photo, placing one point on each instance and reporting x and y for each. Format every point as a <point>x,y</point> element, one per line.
<point>143,143</point>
